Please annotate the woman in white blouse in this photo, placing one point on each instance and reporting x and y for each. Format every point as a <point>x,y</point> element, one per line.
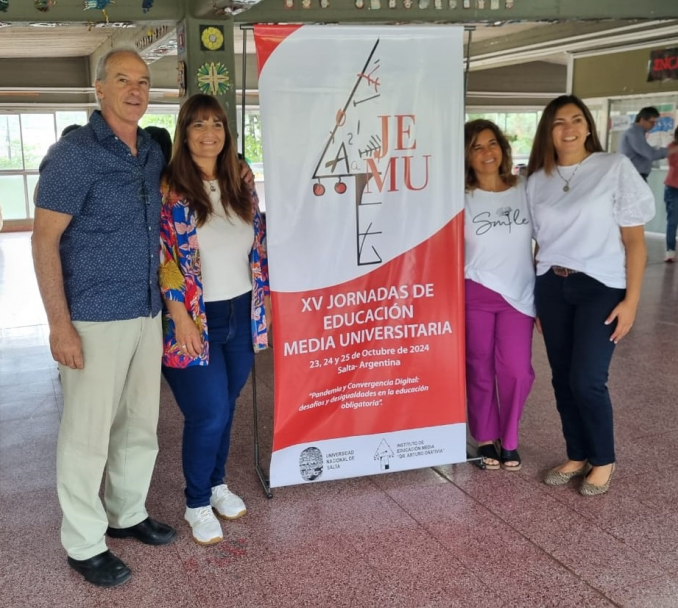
<point>499,286</point>
<point>589,209</point>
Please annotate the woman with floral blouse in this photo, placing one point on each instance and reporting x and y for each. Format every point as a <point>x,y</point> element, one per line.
<point>214,279</point>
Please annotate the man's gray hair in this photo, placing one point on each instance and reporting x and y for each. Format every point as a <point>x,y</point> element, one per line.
<point>102,64</point>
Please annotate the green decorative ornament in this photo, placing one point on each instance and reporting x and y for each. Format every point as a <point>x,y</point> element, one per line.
<point>4,5</point>
<point>44,5</point>
<point>213,78</point>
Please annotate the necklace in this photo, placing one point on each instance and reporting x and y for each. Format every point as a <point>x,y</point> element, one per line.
<point>566,187</point>
<point>213,185</point>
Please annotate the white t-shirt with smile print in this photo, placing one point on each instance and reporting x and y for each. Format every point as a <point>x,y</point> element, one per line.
<point>498,240</point>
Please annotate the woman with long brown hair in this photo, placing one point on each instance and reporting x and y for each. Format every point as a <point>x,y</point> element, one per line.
<point>499,295</point>
<point>214,280</point>
<point>589,209</point>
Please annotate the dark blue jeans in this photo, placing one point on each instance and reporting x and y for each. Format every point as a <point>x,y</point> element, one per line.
<point>206,395</point>
<point>572,311</point>
<point>671,200</point>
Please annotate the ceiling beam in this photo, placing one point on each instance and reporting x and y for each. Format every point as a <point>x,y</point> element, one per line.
<point>24,11</point>
<point>346,11</point>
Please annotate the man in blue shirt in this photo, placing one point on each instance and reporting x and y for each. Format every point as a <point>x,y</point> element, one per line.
<point>95,250</point>
<point>634,143</point>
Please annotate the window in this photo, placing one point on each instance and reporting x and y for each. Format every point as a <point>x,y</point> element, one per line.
<point>24,141</point>
<point>166,121</point>
<point>519,128</point>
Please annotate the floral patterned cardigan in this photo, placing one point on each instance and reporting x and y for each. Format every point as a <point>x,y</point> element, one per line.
<point>180,277</point>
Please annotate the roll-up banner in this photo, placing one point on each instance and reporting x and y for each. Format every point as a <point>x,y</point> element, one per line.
<point>364,169</point>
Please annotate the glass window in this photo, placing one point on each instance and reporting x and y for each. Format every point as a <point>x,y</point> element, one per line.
<point>519,128</point>
<point>24,140</point>
<point>31,183</point>
<point>65,119</point>
<point>10,143</point>
<point>12,197</point>
<point>167,121</point>
<point>38,134</point>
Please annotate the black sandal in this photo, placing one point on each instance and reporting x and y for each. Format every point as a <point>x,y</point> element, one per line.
<point>510,456</point>
<point>488,451</point>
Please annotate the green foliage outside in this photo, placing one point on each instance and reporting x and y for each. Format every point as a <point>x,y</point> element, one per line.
<point>253,151</point>
<point>167,121</point>
<point>519,128</point>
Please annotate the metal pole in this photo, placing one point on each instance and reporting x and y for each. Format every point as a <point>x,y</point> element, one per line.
<point>265,484</point>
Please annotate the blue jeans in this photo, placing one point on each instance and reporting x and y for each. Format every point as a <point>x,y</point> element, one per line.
<point>572,311</point>
<point>671,200</point>
<point>206,395</point>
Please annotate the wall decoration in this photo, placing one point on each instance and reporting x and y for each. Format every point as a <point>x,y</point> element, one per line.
<point>4,5</point>
<point>229,8</point>
<point>289,3</point>
<point>213,78</point>
<point>324,3</point>
<point>211,38</point>
<point>181,38</point>
<point>97,4</point>
<point>44,5</point>
<point>146,5</point>
<point>181,78</point>
<point>152,36</point>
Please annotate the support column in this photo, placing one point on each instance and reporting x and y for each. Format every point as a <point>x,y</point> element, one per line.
<point>207,61</point>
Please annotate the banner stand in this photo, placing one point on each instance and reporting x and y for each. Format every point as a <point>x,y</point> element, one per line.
<point>265,484</point>
<point>264,480</point>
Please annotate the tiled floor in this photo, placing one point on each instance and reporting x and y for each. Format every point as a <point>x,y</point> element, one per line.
<point>451,537</point>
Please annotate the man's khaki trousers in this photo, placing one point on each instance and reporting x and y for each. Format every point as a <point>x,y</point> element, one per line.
<point>109,423</point>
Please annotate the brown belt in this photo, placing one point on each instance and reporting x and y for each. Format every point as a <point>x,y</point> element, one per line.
<point>561,271</point>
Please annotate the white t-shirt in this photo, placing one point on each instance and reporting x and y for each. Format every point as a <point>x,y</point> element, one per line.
<point>580,229</point>
<point>498,239</point>
<point>225,244</point>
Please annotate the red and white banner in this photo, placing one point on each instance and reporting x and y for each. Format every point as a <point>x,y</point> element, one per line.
<point>364,169</point>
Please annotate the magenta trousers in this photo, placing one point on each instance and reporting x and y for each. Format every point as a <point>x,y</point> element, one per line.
<point>499,372</point>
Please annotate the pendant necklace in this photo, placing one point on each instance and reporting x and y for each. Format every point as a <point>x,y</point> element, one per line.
<point>213,186</point>
<point>566,187</point>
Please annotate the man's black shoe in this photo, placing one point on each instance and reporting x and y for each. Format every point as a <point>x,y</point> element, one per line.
<point>104,570</point>
<point>149,532</point>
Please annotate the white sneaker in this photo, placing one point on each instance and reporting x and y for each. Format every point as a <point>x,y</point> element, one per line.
<point>226,504</point>
<point>206,527</point>
<point>670,256</point>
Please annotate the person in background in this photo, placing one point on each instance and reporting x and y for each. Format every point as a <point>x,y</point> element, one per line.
<point>671,200</point>
<point>589,209</point>
<point>500,311</point>
<point>69,129</point>
<point>163,138</point>
<point>214,279</point>
<point>96,257</point>
<point>634,143</point>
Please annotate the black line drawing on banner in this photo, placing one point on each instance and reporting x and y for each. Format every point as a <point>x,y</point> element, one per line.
<point>371,151</point>
<point>383,454</point>
<point>342,158</point>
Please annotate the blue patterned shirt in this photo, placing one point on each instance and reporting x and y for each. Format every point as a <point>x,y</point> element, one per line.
<point>109,251</point>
